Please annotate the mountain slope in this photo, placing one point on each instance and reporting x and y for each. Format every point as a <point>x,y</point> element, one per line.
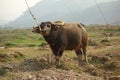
<point>69,11</point>
<point>110,10</point>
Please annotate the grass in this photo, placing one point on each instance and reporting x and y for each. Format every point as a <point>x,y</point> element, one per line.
<point>102,54</point>
<point>3,72</point>
<point>19,38</point>
<point>25,38</point>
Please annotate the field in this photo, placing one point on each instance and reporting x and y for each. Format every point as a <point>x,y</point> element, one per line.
<point>26,56</point>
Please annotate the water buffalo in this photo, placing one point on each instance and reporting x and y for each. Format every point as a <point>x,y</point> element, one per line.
<point>64,36</point>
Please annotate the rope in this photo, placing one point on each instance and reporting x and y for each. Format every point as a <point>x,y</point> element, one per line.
<point>30,11</point>
<point>101,12</point>
<point>34,18</point>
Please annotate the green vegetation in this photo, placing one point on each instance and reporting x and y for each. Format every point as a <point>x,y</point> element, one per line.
<point>3,72</point>
<point>20,38</point>
<point>4,57</point>
<point>11,57</point>
<point>29,52</point>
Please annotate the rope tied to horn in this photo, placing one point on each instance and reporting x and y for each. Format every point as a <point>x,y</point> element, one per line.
<point>34,18</point>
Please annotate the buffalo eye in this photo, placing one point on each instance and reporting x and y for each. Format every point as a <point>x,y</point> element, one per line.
<point>42,26</point>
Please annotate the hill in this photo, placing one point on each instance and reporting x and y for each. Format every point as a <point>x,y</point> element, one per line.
<point>69,11</point>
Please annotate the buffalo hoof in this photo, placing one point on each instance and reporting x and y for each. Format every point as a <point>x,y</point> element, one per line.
<point>57,60</point>
<point>86,61</point>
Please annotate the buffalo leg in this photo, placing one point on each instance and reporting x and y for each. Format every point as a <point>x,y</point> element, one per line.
<point>85,55</point>
<point>79,54</point>
<point>58,54</point>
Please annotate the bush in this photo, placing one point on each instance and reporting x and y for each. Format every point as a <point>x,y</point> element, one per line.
<point>43,44</point>
<point>105,42</point>
<point>31,45</point>
<point>4,57</point>
<point>99,59</point>
<point>112,66</point>
<point>18,55</point>
<point>41,39</point>
<point>0,39</point>
<point>92,43</point>
<point>42,65</point>
<point>119,29</point>
<point>3,72</point>
<point>9,44</point>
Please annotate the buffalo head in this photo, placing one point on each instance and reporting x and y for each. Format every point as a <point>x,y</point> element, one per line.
<point>46,27</point>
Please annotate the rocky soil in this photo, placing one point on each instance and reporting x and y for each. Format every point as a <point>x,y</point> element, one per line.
<point>42,68</point>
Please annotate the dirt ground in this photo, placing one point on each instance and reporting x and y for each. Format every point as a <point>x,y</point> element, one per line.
<point>42,67</point>
<point>25,61</point>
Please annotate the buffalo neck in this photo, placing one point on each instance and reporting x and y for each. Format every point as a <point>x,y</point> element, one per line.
<point>51,38</point>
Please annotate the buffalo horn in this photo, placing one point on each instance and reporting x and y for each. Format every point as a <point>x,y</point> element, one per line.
<point>58,23</point>
<point>39,27</point>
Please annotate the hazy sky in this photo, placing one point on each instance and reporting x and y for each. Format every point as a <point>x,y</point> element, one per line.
<point>11,9</point>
